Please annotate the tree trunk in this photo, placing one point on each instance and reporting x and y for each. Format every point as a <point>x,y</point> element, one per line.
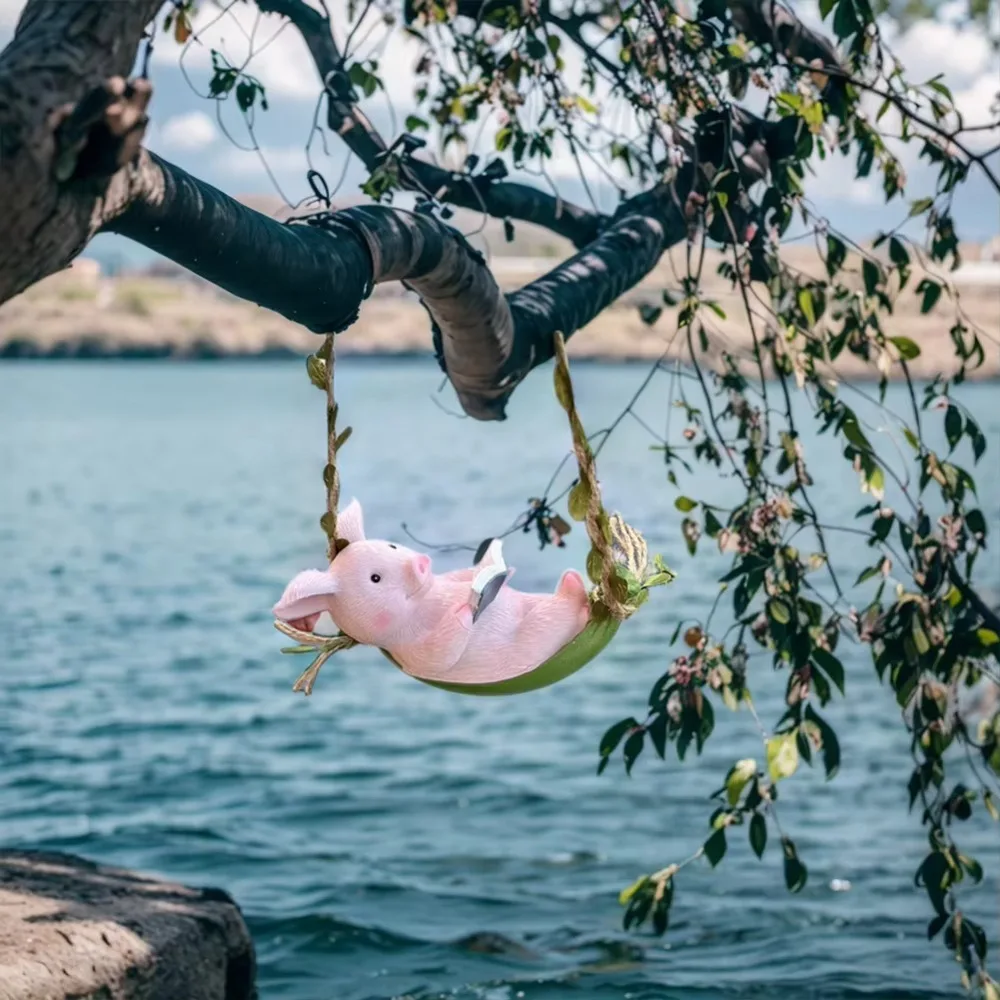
<point>62,53</point>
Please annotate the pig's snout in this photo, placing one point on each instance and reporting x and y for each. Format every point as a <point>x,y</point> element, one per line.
<point>419,571</point>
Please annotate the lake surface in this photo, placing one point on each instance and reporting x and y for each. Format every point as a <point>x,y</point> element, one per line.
<point>383,838</point>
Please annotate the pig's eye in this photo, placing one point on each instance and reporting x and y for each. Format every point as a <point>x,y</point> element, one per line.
<point>391,546</point>
<point>375,578</point>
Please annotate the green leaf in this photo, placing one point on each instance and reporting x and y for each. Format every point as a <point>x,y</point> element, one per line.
<point>777,610</point>
<point>758,834</point>
<point>825,6</point>
<point>715,847</point>
<point>931,292</point>
<point>836,254</point>
<point>782,756</point>
<point>712,524</point>
<point>316,370</point>
<point>972,867</point>
<point>898,253</point>
<point>578,501</point>
<point>920,206</point>
<point>503,138</point>
<point>876,482</point>
<point>806,305</point>
<point>830,666</point>
<point>299,649</point>
<point>626,894</point>
<point>657,730</point>
<point>342,438</point>
<point>908,350</point>
<point>991,806</point>
<point>987,637</point>
<point>649,313</point>
<point>614,734</point>
<point>854,434</point>
<point>633,747</point>
<point>830,743</point>
<point>977,438</point>
<point>872,275</point>
<point>584,105</point>
<point>975,522</point>
<point>685,504</point>
<point>953,425</point>
<point>845,20</point>
<point>415,124</point>
<point>795,872</point>
<point>716,308</point>
<point>740,774</point>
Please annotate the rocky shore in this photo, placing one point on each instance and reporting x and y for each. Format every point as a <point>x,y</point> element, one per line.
<point>73,929</point>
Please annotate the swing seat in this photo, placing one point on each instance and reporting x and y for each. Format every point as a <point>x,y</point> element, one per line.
<point>575,655</point>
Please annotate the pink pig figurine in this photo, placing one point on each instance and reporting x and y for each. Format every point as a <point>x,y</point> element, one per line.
<point>385,595</point>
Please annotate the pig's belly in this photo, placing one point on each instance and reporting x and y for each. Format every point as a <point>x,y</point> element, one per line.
<point>515,634</point>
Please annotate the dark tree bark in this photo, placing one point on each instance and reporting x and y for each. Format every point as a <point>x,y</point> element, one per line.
<point>61,61</point>
<point>319,274</point>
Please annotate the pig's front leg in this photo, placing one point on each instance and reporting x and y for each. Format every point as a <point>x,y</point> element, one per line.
<point>441,651</point>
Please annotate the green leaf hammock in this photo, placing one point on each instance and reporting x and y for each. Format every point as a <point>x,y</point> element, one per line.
<point>618,563</point>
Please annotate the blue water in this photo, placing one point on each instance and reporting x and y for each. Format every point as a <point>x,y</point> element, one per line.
<point>383,838</point>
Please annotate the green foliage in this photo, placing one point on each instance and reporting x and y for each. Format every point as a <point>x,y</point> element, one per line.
<point>741,183</point>
<point>229,80</point>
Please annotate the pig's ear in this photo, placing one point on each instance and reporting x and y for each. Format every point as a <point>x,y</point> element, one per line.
<point>350,523</point>
<point>307,594</point>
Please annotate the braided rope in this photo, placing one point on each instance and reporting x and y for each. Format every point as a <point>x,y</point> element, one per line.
<point>618,563</point>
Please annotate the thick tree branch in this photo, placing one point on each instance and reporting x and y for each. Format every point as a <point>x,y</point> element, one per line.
<point>769,23</point>
<point>67,121</point>
<point>319,274</point>
<point>295,270</point>
<point>495,197</point>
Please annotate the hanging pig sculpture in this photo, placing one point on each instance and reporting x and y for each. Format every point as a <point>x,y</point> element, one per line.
<point>437,627</point>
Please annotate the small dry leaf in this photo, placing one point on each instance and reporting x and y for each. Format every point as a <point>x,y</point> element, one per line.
<point>182,28</point>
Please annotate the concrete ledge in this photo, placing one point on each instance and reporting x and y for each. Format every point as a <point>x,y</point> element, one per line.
<point>74,930</point>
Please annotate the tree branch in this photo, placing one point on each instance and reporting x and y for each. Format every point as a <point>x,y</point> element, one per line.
<point>989,616</point>
<point>767,22</point>
<point>496,197</point>
<point>318,274</point>
<point>67,122</point>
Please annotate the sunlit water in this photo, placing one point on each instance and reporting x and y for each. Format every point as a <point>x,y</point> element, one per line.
<point>383,838</point>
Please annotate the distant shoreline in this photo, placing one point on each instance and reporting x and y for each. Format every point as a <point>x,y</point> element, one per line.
<point>83,314</point>
<point>988,372</point>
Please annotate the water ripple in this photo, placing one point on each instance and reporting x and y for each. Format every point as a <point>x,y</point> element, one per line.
<point>387,840</point>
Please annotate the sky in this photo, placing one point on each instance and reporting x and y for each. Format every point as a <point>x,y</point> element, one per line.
<point>212,141</point>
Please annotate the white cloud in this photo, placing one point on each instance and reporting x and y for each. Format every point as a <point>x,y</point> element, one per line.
<point>281,160</point>
<point>10,11</point>
<point>191,131</point>
<point>930,48</point>
<point>978,105</point>
<point>834,180</point>
<point>265,45</point>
